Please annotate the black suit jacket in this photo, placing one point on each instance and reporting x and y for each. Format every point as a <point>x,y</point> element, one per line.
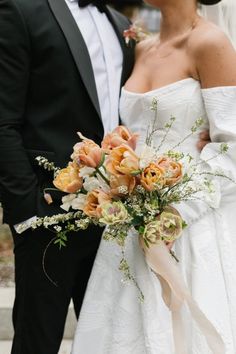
<point>47,94</point>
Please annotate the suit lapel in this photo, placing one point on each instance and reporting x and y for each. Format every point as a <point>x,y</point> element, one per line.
<point>77,47</point>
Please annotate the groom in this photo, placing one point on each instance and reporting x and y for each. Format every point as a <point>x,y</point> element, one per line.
<point>61,68</point>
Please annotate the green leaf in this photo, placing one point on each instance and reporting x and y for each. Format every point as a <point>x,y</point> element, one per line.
<point>141,230</point>
<point>62,244</point>
<point>184,224</point>
<point>57,241</point>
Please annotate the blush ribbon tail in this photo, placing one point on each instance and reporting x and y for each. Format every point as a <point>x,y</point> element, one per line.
<point>175,293</point>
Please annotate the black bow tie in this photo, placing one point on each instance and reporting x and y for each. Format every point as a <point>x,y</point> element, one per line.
<point>100,4</point>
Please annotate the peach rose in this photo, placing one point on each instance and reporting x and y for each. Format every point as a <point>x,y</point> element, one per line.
<point>87,153</point>
<point>94,201</point>
<point>173,170</point>
<point>151,233</point>
<point>153,177</point>
<point>68,179</point>
<point>171,224</point>
<point>167,227</point>
<point>120,136</point>
<point>113,213</point>
<point>122,185</point>
<point>122,161</point>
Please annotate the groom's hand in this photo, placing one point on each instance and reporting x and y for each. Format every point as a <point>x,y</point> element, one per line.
<point>204,139</point>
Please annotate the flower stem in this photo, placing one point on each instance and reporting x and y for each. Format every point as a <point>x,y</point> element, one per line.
<point>98,171</point>
<point>174,256</point>
<point>51,189</point>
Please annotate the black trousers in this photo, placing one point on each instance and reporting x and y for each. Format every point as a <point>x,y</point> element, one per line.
<point>41,306</point>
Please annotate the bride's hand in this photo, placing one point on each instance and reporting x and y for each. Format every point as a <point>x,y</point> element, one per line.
<point>204,139</point>
<point>169,245</point>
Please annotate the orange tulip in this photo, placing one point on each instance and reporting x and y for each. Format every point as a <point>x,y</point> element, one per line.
<point>68,179</point>
<point>122,185</point>
<point>153,177</point>
<point>173,170</point>
<point>120,136</point>
<point>94,201</point>
<point>122,161</point>
<point>87,153</point>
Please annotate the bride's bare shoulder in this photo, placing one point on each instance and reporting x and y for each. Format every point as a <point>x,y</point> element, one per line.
<point>207,37</point>
<point>213,54</point>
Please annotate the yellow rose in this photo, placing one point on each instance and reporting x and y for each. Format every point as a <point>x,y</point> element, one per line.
<point>68,179</point>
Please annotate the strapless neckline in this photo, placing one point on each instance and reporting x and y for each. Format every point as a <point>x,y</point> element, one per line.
<point>174,85</point>
<point>167,87</point>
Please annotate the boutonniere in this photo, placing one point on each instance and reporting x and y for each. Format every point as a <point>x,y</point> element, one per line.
<point>135,33</point>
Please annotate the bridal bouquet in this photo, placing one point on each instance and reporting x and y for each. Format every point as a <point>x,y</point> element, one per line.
<point>115,187</point>
<point>122,188</point>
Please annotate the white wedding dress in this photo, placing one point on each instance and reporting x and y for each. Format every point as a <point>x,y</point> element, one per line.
<point>112,320</point>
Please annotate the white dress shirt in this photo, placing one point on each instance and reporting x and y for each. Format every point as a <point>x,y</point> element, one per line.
<point>106,58</point>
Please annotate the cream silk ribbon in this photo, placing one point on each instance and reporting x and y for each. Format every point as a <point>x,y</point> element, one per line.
<point>175,294</point>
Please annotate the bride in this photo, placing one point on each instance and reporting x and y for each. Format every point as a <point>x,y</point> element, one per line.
<point>190,68</point>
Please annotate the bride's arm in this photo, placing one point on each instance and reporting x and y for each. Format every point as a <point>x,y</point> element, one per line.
<point>214,58</point>
<point>216,66</point>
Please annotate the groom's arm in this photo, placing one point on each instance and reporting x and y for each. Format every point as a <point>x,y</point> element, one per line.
<point>18,183</point>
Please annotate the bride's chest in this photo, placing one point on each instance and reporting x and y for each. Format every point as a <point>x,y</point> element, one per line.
<point>155,69</point>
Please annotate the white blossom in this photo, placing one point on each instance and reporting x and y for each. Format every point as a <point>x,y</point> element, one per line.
<point>91,183</point>
<point>86,171</point>
<point>67,201</point>
<point>147,156</point>
<point>79,202</point>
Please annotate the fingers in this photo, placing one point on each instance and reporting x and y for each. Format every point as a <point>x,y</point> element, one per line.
<point>204,135</point>
<point>201,144</point>
<point>204,139</point>
<point>169,245</point>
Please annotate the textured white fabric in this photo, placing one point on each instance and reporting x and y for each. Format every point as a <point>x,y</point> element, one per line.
<point>112,320</point>
<point>106,58</point>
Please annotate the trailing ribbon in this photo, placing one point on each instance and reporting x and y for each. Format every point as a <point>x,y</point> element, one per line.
<point>175,294</point>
